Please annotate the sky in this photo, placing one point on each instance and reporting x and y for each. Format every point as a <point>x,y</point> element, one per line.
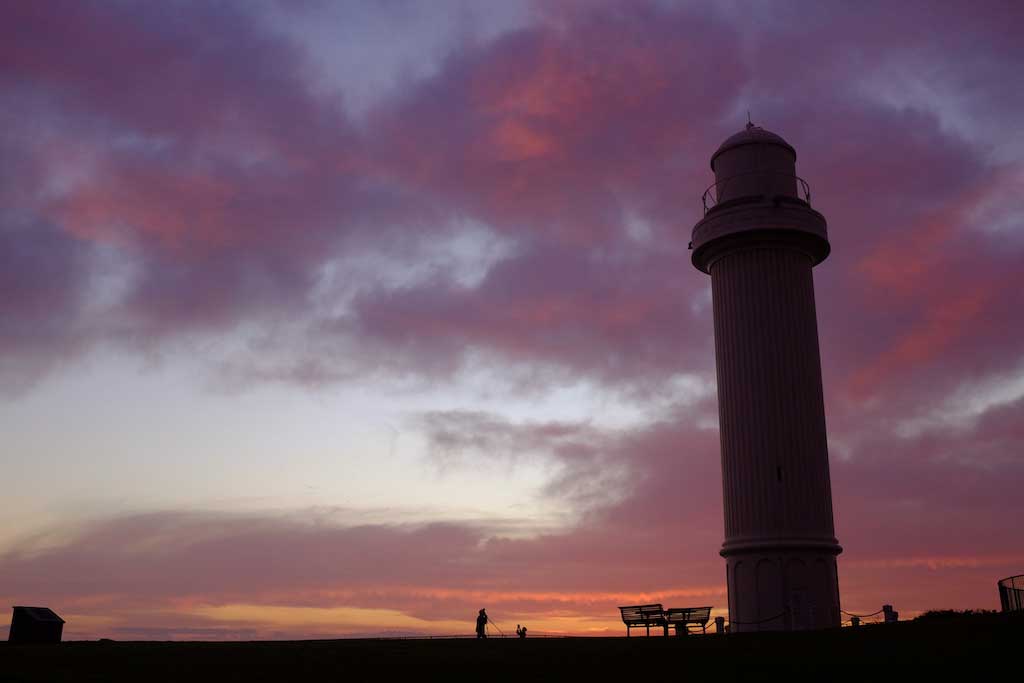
<point>320,319</point>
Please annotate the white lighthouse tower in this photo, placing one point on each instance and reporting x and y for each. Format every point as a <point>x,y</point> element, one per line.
<point>759,240</point>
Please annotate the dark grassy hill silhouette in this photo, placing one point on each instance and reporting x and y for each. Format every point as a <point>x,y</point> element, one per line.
<point>972,646</point>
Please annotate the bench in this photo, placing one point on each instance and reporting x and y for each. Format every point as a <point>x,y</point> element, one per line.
<point>682,617</point>
<point>643,615</point>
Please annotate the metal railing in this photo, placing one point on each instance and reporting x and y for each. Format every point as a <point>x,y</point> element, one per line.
<point>711,200</point>
<point>1011,593</point>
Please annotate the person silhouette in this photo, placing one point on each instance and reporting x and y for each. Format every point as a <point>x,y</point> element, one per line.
<point>481,624</point>
<point>520,631</point>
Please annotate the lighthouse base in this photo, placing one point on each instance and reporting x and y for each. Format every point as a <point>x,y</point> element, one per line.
<point>782,589</point>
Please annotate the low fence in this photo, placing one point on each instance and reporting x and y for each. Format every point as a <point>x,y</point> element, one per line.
<point>1011,593</point>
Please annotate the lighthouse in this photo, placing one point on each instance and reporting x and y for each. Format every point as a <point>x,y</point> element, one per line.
<point>759,240</point>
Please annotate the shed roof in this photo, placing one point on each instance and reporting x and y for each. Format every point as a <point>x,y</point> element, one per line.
<point>38,613</point>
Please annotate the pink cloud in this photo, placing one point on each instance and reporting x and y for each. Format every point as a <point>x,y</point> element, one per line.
<point>589,156</point>
<point>552,129</point>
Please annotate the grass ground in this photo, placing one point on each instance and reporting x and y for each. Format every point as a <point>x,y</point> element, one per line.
<point>945,649</point>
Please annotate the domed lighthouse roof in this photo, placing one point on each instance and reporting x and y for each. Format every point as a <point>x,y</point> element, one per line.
<point>751,135</point>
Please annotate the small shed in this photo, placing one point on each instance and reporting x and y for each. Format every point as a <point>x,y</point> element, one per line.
<point>35,625</point>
